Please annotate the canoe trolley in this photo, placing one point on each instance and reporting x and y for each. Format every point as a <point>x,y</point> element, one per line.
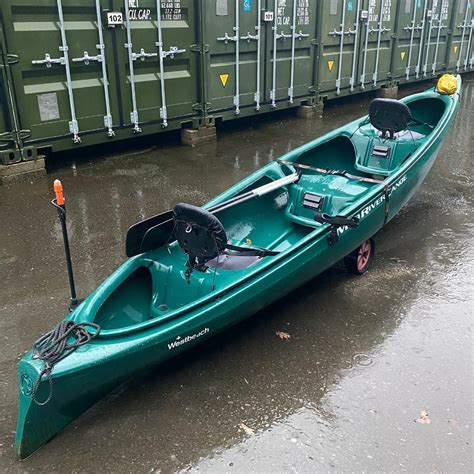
<point>194,271</point>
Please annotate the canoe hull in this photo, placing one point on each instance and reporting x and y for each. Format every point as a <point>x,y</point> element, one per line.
<point>85,376</point>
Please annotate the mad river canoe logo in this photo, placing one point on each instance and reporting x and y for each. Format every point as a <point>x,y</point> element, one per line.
<point>371,207</point>
<point>184,340</point>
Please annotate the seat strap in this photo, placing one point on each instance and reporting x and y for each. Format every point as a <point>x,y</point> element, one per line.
<point>343,173</point>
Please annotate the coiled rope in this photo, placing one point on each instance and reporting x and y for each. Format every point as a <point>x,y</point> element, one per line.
<point>54,346</point>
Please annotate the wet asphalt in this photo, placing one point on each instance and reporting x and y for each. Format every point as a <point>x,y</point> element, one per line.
<point>367,356</point>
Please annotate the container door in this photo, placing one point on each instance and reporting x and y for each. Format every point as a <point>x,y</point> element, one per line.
<point>460,54</point>
<point>340,34</point>
<point>156,63</point>
<point>435,49</point>
<point>290,50</point>
<point>376,42</point>
<point>233,32</point>
<point>59,81</point>
<point>411,32</point>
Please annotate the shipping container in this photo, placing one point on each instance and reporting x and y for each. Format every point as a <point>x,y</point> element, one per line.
<point>85,72</point>
<point>355,45</point>
<point>86,68</point>
<point>422,36</point>
<point>260,55</point>
<point>460,57</point>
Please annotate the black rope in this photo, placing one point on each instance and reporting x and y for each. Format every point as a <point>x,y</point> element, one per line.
<point>54,346</point>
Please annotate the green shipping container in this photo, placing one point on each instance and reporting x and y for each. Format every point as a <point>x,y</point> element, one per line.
<point>101,68</point>
<point>460,57</point>
<point>423,28</point>
<point>355,45</point>
<point>76,73</point>
<point>261,55</point>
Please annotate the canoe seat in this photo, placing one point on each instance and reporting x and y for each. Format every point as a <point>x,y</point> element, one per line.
<point>202,237</point>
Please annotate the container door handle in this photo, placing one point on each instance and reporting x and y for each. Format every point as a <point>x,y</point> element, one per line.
<point>172,52</point>
<point>142,55</point>
<point>86,59</point>
<point>48,61</point>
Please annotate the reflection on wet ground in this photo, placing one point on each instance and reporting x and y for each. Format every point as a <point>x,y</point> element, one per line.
<point>366,355</point>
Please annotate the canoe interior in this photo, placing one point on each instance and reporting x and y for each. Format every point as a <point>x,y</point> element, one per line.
<point>156,288</point>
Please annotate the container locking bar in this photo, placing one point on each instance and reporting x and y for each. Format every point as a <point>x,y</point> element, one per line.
<point>108,120</point>
<point>380,30</point>
<point>463,26</point>
<point>294,37</point>
<point>356,46</point>
<point>256,37</point>
<point>412,27</point>
<point>439,27</point>
<point>129,45</point>
<point>420,48</point>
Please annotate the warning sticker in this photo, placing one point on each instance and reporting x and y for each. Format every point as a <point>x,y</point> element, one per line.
<point>224,78</point>
<point>403,54</point>
<point>456,49</point>
<point>330,64</point>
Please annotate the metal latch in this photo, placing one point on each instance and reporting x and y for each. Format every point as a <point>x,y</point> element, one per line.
<point>142,55</point>
<point>172,52</point>
<point>226,38</point>
<point>86,59</point>
<point>49,61</point>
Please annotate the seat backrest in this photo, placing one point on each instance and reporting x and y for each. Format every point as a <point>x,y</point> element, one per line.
<point>389,116</point>
<point>199,233</point>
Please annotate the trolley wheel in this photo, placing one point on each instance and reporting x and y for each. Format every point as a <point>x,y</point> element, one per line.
<point>359,261</point>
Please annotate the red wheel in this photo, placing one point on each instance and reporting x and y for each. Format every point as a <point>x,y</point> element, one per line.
<point>358,261</point>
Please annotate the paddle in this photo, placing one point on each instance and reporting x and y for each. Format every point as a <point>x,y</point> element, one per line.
<point>156,231</point>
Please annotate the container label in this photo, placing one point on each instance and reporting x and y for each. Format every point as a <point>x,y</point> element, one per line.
<point>302,12</point>
<point>114,19</point>
<point>48,107</point>
<point>222,8</point>
<point>171,10</point>
<point>247,5</point>
<point>135,13</point>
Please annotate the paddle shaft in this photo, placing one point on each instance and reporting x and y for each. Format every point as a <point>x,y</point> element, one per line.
<point>258,192</point>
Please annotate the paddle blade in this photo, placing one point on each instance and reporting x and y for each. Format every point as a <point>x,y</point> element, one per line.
<point>158,236</point>
<point>136,233</point>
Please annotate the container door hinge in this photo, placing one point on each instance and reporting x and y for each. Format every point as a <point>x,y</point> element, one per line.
<point>12,136</point>
<point>197,107</point>
<point>12,59</point>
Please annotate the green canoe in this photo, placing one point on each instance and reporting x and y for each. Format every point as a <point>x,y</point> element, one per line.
<point>194,273</point>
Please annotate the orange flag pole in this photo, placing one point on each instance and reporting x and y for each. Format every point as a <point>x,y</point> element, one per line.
<point>59,203</point>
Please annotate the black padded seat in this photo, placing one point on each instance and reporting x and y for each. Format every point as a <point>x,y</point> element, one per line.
<point>203,238</point>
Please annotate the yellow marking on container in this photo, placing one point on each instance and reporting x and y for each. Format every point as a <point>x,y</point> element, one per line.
<point>456,49</point>
<point>224,79</point>
<point>403,54</point>
<point>330,65</point>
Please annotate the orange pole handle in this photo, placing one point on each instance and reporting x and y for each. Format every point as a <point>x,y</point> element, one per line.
<point>58,190</point>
